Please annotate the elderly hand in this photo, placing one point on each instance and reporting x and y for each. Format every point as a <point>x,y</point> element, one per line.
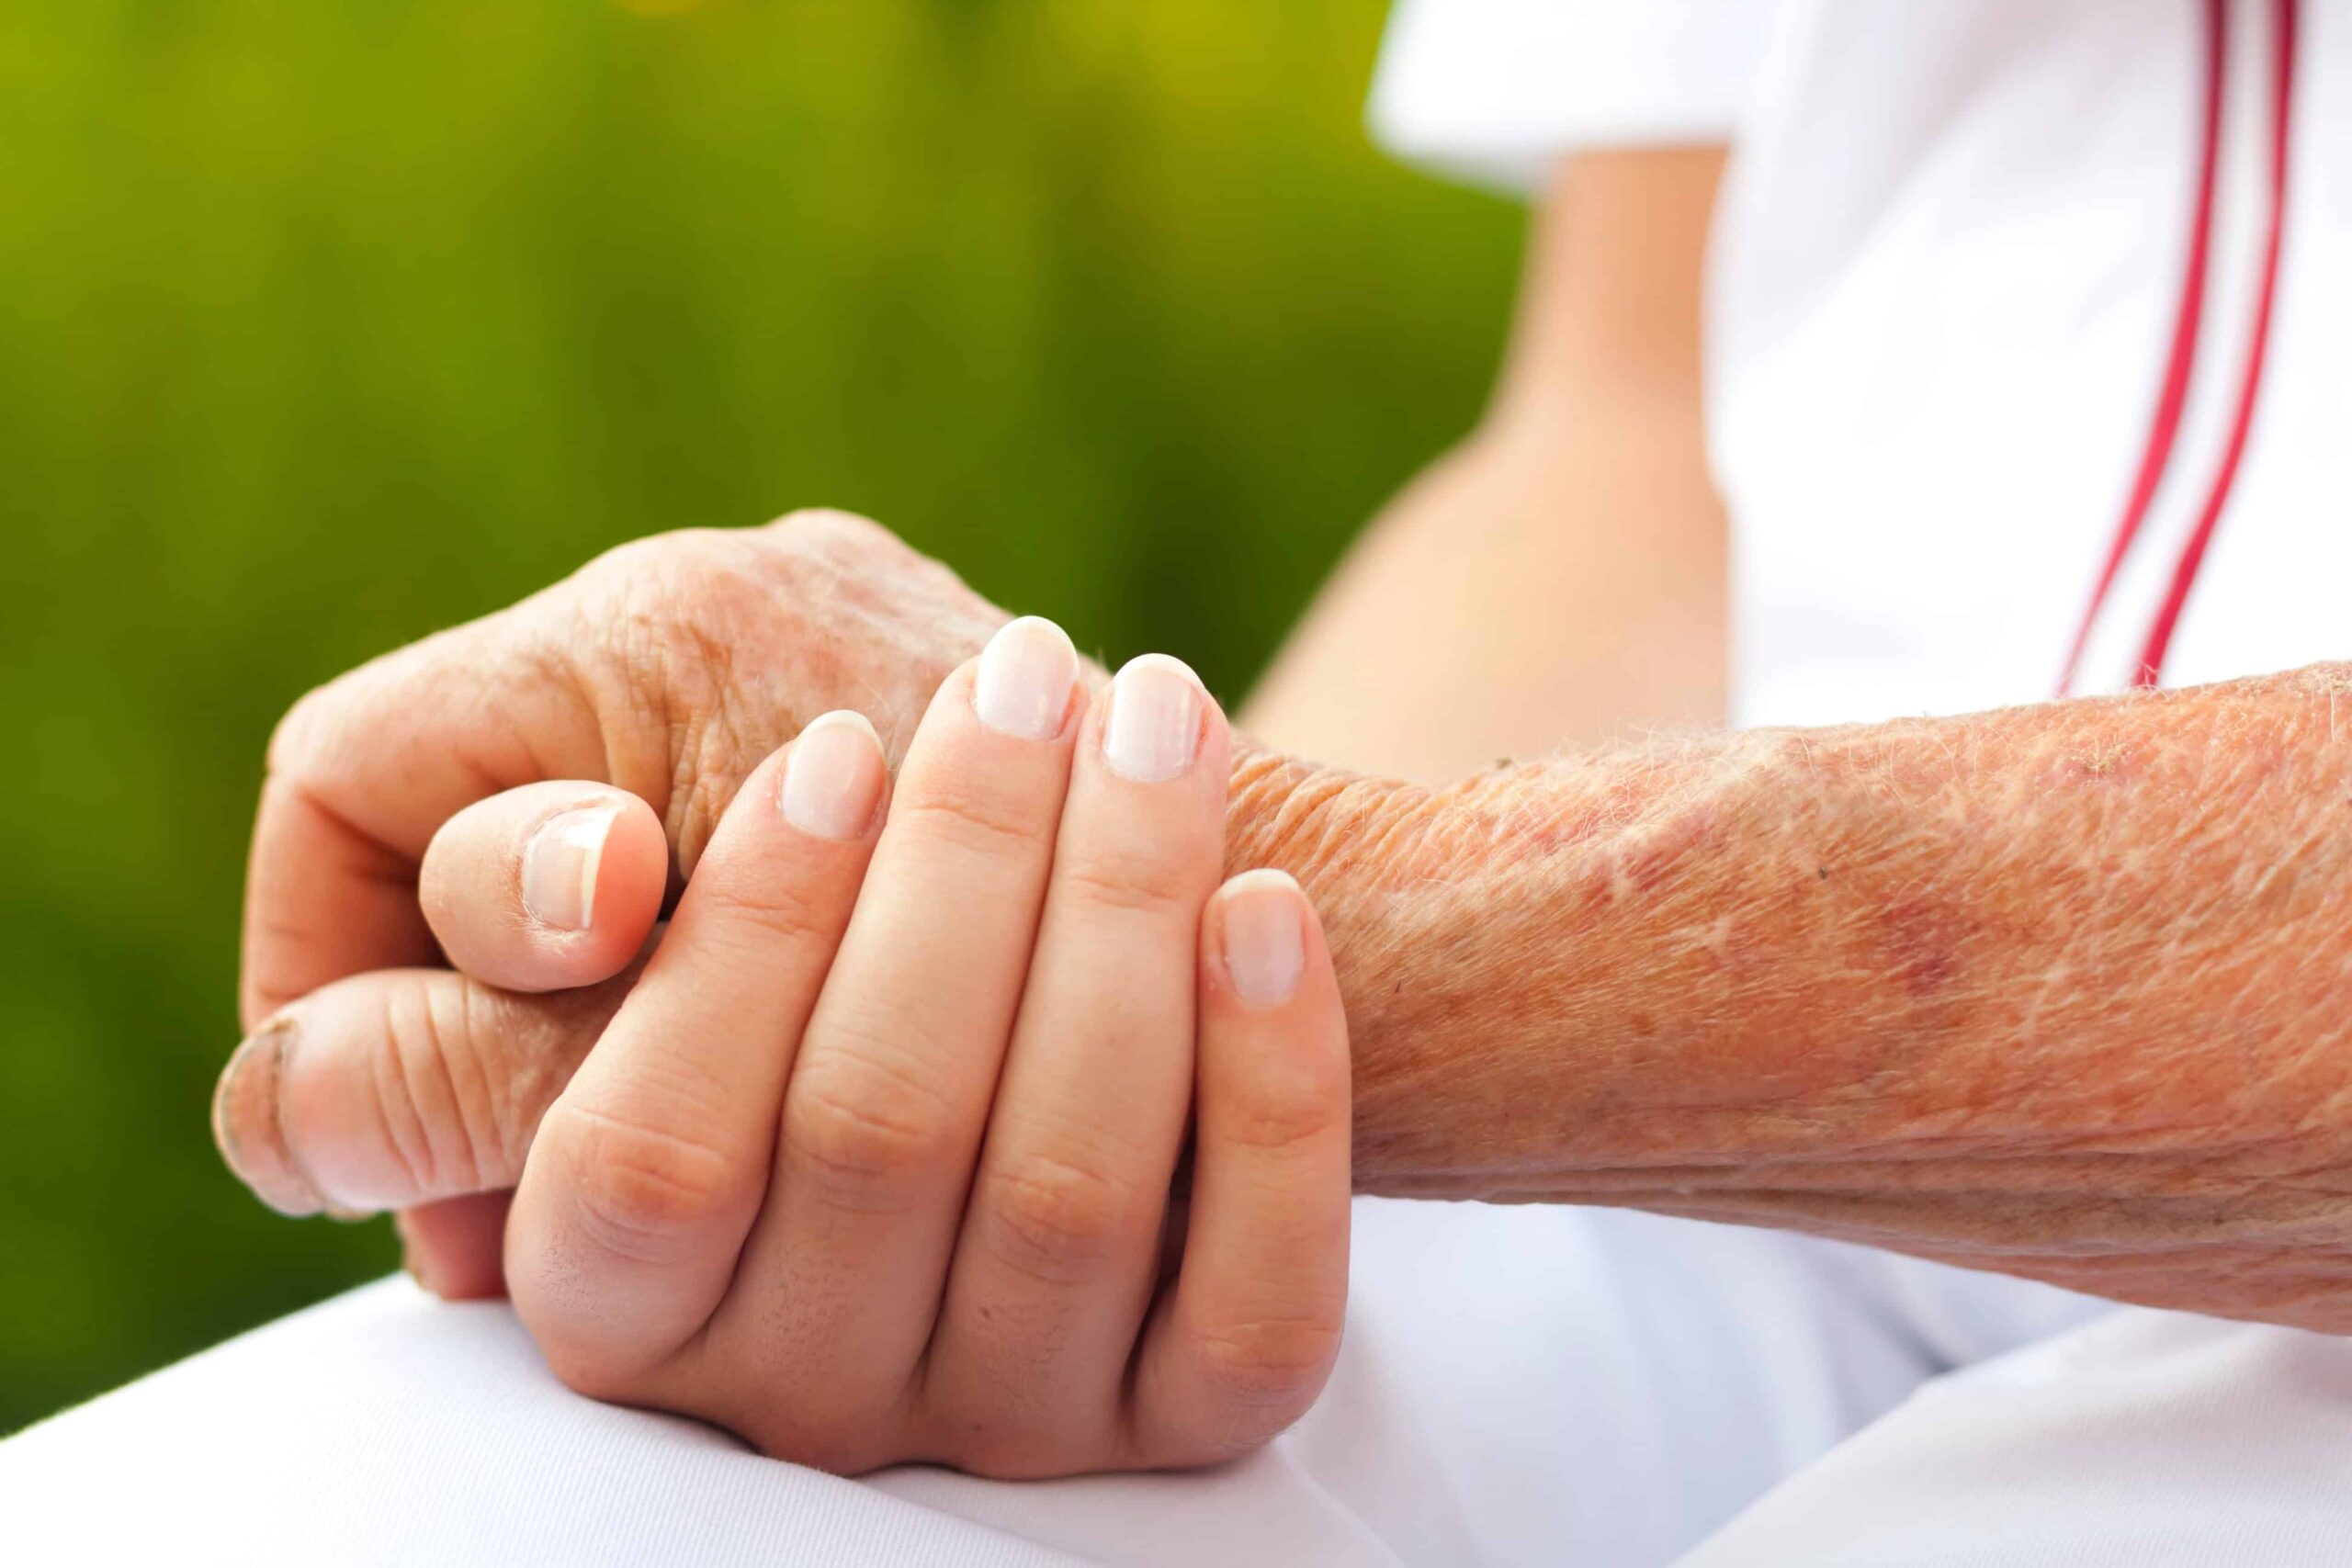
<point>667,668</point>
<point>875,1162</point>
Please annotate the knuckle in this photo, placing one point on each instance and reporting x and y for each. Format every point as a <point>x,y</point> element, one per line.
<point>652,558</point>
<point>1283,1101</point>
<point>1268,1361</point>
<point>666,640</point>
<point>668,626</point>
<point>287,748</point>
<point>972,820</point>
<point>306,740</point>
<point>1059,1220</point>
<point>863,1135</point>
<point>636,1188</point>
<point>825,522</point>
<point>1136,879</point>
<point>788,911</point>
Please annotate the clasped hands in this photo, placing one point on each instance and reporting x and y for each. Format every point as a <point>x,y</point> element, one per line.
<point>963,1117</point>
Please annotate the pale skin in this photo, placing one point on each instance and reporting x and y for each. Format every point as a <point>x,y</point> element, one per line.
<point>2046,991</point>
<point>874,1164</point>
<point>962,1118</point>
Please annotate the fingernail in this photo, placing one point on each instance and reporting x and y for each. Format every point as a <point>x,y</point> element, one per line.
<point>559,867</point>
<point>1154,725</point>
<point>1024,680</point>
<point>1259,928</point>
<point>249,1125</point>
<point>832,778</point>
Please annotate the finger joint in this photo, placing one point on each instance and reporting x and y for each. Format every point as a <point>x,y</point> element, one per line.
<point>863,1135</point>
<point>1060,1221</point>
<point>639,1189</point>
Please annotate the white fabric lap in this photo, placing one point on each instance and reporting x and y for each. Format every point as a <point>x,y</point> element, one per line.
<point>2145,1439</point>
<point>384,1426</point>
<point>1519,1385</point>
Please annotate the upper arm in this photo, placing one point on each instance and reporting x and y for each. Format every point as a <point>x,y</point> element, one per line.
<point>1560,577</point>
<point>1609,314</point>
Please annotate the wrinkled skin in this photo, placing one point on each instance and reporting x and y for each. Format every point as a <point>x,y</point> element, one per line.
<point>669,666</point>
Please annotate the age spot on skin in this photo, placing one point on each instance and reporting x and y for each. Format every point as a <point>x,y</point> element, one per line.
<point>1918,944</point>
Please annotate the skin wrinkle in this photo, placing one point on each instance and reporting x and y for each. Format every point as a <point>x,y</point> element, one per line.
<point>397,1097</point>
<point>2066,1001</point>
<point>479,1103</point>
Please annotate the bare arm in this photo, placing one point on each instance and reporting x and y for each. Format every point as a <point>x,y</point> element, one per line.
<point>2055,990</point>
<point>1559,578</point>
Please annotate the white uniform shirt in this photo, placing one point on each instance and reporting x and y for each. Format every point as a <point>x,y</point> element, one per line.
<point>1945,284</point>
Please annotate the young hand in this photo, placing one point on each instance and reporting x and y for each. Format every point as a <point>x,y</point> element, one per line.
<point>875,1162</point>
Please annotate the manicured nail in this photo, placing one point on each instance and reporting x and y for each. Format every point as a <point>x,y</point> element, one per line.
<point>1154,725</point>
<point>1024,680</point>
<point>1265,951</point>
<point>559,867</point>
<point>832,778</point>
<point>249,1124</point>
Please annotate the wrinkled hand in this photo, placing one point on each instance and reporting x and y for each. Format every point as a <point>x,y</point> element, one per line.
<point>667,668</point>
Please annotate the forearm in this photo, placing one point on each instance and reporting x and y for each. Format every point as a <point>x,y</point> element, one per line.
<point>2050,990</point>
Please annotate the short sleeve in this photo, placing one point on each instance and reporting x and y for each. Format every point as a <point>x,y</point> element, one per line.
<point>1492,91</point>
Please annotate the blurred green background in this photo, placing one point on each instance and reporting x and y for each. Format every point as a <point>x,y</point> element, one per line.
<point>322,325</point>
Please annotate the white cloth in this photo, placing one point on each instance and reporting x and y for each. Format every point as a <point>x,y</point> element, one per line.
<point>2145,1438</point>
<point>1493,90</point>
<point>1954,238</point>
<point>1518,1385</point>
